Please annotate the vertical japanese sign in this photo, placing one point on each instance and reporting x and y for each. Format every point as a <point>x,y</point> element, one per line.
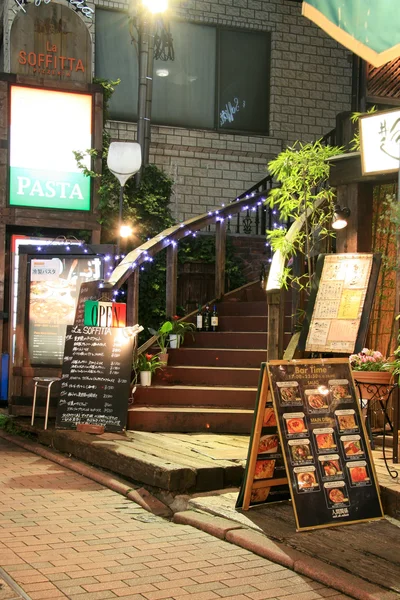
<point>46,127</point>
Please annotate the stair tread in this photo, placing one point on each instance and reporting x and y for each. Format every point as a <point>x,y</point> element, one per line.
<point>201,387</point>
<point>201,349</point>
<point>202,367</point>
<point>190,409</point>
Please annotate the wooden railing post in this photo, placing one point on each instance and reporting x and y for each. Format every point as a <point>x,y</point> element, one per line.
<point>132,301</point>
<point>172,280</point>
<point>276,311</point>
<point>220,247</point>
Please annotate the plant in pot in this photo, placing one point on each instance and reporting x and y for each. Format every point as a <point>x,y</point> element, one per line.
<point>145,365</point>
<point>179,330</point>
<point>163,334</point>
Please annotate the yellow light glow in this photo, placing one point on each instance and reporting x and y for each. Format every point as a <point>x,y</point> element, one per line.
<point>125,231</point>
<point>155,6</point>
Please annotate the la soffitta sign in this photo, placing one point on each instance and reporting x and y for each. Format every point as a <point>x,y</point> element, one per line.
<point>51,41</point>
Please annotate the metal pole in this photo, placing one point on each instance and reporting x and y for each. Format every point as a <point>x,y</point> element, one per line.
<point>144,40</point>
<point>121,200</point>
<point>149,95</point>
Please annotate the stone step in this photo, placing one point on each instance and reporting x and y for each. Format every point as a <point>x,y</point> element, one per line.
<point>222,376</point>
<point>189,419</point>
<point>227,339</point>
<point>180,395</point>
<point>216,357</point>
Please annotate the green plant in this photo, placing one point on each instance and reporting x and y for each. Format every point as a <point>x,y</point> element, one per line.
<point>181,328</point>
<point>355,142</point>
<point>148,362</point>
<point>303,195</point>
<point>162,335</point>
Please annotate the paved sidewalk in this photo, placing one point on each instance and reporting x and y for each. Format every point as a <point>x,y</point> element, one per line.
<point>65,536</point>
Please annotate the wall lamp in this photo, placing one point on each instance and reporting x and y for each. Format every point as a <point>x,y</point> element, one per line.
<point>340,217</point>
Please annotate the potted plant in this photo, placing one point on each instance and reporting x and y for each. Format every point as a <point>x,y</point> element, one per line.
<point>145,365</point>
<point>163,339</point>
<point>179,330</point>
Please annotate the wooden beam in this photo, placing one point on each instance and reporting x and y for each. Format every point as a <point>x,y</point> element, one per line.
<point>357,236</point>
<point>132,300</point>
<point>172,280</point>
<point>276,309</point>
<point>220,251</point>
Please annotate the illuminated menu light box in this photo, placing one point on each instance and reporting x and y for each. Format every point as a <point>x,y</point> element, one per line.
<point>380,142</point>
<point>43,169</point>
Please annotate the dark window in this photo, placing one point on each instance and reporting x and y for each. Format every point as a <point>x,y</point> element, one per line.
<point>218,80</point>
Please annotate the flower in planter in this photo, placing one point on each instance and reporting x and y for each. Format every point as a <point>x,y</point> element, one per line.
<point>369,360</point>
<point>148,362</point>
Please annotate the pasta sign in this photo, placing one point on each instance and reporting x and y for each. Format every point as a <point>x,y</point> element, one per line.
<point>43,169</point>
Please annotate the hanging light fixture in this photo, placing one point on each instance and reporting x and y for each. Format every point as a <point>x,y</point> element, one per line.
<point>340,217</point>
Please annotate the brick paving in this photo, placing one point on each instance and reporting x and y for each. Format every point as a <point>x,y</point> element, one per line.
<point>64,536</point>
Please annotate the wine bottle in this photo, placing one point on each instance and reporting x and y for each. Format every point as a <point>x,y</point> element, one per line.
<point>214,319</point>
<point>199,319</point>
<point>206,319</point>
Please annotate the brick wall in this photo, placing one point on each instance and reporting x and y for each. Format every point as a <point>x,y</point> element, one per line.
<point>310,82</point>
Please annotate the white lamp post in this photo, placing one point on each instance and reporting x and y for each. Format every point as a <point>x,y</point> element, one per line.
<point>124,159</point>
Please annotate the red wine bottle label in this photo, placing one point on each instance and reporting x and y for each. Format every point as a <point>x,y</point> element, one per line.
<point>214,321</point>
<point>199,321</point>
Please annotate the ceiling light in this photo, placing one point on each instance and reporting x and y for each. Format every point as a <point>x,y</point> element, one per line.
<point>162,72</point>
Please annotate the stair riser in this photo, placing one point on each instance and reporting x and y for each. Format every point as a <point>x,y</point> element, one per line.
<point>227,339</point>
<point>221,377</point>
<point>181,423</point>
<point>241,323</point>
<point>242,308</point>
<point>217,358</point>
<point>153,396</point>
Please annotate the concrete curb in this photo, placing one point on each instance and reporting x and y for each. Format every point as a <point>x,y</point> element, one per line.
<point>303,564</point>
<point>139,495</point>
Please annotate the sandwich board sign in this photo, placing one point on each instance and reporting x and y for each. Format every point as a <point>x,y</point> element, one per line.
<point>322,441</point>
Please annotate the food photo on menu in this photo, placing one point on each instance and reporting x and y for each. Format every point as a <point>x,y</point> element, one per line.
<point>268,444</point>
<point>336,494</point>
<point>264,469</point>
<point>352,446</point>
<point>259,494</point>
<point>289,392</point>
<point>317,399</point>
<point>269,419</point>
<point>346,420</point>
<point>331,467</point>
<point>306,479</point>
<point>340,390</point>
<point>300,451</point>
<point>358,473</point>
<point>295,423</point>
<point>325,439</point>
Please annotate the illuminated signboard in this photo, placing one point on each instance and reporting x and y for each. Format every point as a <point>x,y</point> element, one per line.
<point>380,142</point>
<point>46,128</point>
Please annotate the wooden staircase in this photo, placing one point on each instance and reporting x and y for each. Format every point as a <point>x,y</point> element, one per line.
<point>210,383</point>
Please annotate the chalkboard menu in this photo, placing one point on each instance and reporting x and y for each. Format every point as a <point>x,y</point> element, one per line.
<point>325,448</point>
<point>95,378</point>
<point>89,290</point>
<point>265,478</point>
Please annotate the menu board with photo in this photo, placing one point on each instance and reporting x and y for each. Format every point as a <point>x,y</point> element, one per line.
<point>325,448</point>
<point>96,376</point>
<point>340,303</point>
<point>53,296</point>
<point>265,478</point>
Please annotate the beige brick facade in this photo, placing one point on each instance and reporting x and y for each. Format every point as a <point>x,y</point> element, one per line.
<point>310,82</point>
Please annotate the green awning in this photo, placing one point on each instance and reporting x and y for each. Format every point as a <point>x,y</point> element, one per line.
<point>370,28</point>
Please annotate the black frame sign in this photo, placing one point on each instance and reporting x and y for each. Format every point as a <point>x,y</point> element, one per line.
<point>265,478</point>
<point>326,450</point>
<point>96,375</point>
<point>340,303</point>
